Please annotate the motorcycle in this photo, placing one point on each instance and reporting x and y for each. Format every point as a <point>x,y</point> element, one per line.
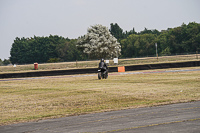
<point>102,74</point>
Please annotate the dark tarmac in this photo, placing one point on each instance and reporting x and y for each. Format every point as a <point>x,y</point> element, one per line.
<point>174,118</point>
<point>39,73</point>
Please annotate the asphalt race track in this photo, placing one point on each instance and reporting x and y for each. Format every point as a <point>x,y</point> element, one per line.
<point>178,118</point>
<point>94,70</point>
<point>85,75</point>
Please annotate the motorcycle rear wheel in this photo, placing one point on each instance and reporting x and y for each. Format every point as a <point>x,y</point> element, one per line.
<point>106,76</point>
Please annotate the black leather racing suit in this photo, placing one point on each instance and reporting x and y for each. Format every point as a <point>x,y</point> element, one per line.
<point>103,66</point>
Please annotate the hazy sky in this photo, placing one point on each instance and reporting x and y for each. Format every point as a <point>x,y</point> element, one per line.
<point>71,18</point>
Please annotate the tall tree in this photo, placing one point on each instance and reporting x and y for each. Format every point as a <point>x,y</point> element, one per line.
<point>116,31</point>
<point>1,62</point>
<point>138,45</point>
<point>68,51</point>
<point>99,43</point>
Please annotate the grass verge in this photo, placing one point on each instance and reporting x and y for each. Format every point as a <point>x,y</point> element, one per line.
<point>36,99</point>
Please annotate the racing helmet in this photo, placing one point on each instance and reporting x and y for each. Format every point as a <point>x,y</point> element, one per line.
<point>102,60</point>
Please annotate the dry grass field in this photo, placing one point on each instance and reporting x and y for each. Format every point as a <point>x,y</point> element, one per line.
<point>53,97</point>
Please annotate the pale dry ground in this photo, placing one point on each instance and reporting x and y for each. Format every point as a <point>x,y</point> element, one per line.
<point>34,99</point>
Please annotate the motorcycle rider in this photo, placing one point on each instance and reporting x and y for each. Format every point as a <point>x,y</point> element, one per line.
<point>103,66</point>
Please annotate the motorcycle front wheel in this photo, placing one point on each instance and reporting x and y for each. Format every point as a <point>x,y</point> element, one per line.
<point>99,75</point>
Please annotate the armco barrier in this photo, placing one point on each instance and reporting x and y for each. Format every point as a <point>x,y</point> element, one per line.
<point>163,65</point>
<point>94,70</point>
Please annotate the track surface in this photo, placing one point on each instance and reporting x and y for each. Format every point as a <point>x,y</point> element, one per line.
<point>183,118</point>
<point>85,75</point>
<point>94,70</point>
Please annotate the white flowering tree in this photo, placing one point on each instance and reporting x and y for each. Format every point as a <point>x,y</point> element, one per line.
<point>99,43</point>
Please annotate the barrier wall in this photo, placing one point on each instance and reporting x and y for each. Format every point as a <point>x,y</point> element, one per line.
<point>94,70</point>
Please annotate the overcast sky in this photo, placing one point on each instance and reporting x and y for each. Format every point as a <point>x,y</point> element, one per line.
<point>71,18</point>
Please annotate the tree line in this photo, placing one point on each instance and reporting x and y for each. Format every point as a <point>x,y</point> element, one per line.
<point>4,62</point>
<point>182,39</point>
<point>44,49</point>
